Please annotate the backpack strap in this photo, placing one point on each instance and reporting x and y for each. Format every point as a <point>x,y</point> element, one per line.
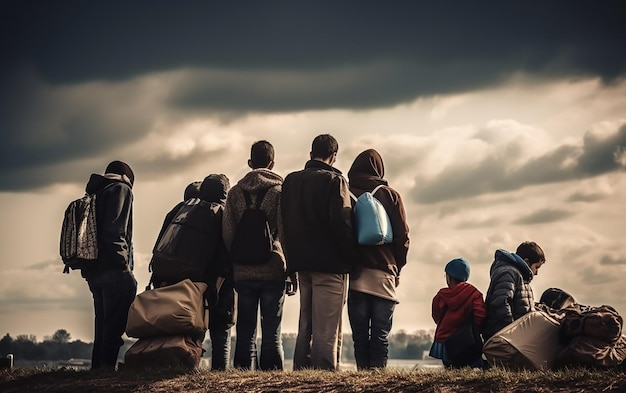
<point>376,189</point>
<point>260,195</point>
<point>371,192</point>
<point>246,195</point>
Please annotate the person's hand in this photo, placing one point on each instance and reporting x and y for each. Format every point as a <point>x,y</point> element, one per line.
<point>291,285</point>
<point>397,281</point>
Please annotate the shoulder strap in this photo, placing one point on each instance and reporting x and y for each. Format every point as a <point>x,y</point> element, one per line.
<point>246,195</point>
<point>259,197</point>
<point>376,189</point>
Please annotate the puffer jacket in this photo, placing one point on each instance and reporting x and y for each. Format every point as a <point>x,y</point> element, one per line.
<point>316,210</point>
<point>365,174</point>
<point>253,182</point>
<point>452,307</point>
<point>114,221</point>
<point>509,295</point>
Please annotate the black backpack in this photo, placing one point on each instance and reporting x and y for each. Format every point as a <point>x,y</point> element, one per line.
<point>253,241</point>
<point>189,243</point>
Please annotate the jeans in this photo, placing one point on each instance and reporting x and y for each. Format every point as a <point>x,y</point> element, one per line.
<point>322,297</point>
<point>370,318</point>
<point>113,291</point>
<point>221,318</point>
<point>270,296</point>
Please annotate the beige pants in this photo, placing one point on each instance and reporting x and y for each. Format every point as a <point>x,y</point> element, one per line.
<point>322,297</point>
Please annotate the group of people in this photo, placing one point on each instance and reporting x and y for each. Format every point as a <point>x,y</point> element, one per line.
<point>314,251</point>
<point>508,298</point>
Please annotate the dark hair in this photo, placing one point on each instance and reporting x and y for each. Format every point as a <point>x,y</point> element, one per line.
<point>324,146</point>
<point>531,251</point>
<point>261,154</point>
<point>121,168</point>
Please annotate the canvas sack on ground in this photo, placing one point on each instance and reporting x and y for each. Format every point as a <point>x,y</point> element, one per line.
<point>530,342</point>
<point>171,310</point>
<point>372,222</point>
<point>164,351</point>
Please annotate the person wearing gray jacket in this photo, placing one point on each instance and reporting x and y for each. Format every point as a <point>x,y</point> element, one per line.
<point>509,295</point>
<point>259,286</point>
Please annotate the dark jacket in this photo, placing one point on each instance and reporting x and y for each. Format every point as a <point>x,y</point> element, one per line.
<point>509,295</point>
<point>114,221</point>
<point>253,182</point>
<point>316,209</point>
<point>367,173</point>
<point>191,236</point>
<point>452,307</point>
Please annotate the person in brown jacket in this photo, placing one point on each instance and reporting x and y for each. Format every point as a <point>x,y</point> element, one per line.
<point>372,295</point>
<point>319,245</point>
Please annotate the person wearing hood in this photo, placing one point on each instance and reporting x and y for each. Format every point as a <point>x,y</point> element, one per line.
<point>111,280</point>
<point>451,307</point>
<point>259,286</point>
<point>190,246</point>
<point>373,281</point>
<point>509,295</point>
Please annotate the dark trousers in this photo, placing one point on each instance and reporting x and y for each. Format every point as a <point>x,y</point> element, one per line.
<point>221,318</point>
<point>113,291</point>
<point>370,318</point>
<point>270,297</point>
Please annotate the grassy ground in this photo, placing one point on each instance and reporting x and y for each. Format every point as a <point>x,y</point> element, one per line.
<point>202,380</point>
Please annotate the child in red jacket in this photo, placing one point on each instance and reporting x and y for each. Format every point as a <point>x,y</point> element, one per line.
<point>452,306</point>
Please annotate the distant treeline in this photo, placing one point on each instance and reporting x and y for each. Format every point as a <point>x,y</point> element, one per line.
<point>59,346</point>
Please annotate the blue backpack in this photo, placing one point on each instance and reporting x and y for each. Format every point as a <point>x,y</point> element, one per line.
<point>373,226</point>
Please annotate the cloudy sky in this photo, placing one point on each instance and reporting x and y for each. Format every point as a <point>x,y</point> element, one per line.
<point>498,122</point>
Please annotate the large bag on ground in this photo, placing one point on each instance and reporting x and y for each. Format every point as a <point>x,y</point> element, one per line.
<point>592,352</point>
<point>373,226</point>
<point>602,322</point>
<point>164,351</point>
<point>253,241</point>
<point>530,342</point>
<point>188,242</point>
<point>592,336</point>
<point>171,310</point>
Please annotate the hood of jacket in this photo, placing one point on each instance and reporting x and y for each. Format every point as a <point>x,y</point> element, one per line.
<point>367,172</point>
<point>455,297</point>
<point>259,179</point>
<point>505,258</point>
<point>214,188</point>
<point>98,182</point>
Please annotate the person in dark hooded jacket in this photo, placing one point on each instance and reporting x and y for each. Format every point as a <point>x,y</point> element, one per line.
<point>373,281</point>
<point>111,280</point>
<point>510,295</point>
<point>452,306</point>
<point>196,240</point>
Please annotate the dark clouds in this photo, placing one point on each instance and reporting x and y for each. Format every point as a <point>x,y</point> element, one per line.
<point>270,56</point>
<point>496,173</point>
<point>70,41</point>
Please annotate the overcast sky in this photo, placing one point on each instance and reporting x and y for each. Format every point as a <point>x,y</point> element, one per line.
<point>498,122</point>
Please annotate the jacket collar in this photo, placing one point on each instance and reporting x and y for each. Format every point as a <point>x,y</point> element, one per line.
<point>315,164</point>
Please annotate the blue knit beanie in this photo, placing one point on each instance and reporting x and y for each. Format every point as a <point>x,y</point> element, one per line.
<point>459,269</point>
